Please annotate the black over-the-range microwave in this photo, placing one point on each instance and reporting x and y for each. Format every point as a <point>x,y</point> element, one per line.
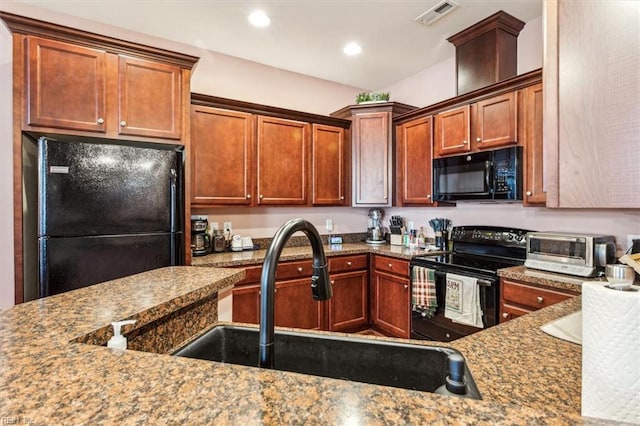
<point>486,175</point>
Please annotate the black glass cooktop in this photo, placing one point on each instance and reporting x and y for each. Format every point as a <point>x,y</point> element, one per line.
<point>465,262</point>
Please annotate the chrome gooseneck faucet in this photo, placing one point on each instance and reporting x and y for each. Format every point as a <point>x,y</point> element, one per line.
<point>320,284</point>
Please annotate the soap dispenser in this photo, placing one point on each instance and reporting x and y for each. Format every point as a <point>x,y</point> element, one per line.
<point>118,341</point>
<point>455,384</point>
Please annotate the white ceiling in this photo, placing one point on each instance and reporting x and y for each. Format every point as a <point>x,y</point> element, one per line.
<point>305,36</point>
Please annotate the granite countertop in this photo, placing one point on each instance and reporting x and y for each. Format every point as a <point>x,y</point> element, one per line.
<point>255,257</point>
<point>546,279</point>
<point>524,375</point>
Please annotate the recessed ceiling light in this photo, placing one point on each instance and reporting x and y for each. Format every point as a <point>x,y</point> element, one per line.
<point>352,48</point>
<point>259,19</point>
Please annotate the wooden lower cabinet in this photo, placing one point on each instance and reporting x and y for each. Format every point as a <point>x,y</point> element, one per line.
<point>391,297</point>
<point>519,298</point>
<point>347,310</point>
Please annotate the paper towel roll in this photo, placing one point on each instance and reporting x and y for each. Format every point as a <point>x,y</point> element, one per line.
<point>610,353</point>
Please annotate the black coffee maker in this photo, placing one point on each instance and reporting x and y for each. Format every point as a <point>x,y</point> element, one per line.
<point>200,239</point>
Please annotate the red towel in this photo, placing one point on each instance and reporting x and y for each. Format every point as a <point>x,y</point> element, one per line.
<point>423,291</point>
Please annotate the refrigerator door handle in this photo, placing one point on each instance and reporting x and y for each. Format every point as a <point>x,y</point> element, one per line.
<point>174,200</point>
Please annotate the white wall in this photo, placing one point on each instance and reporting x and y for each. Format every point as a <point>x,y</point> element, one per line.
<point>6,170</point>
<point>438,82</point>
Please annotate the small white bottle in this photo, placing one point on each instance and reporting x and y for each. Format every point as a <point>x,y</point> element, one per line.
<point>118,341</point>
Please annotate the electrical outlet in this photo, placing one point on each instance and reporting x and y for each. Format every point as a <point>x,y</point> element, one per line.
<point>214,226</point>
<point>630,239</point>
<point>227,228</point>
<point>329,225</point>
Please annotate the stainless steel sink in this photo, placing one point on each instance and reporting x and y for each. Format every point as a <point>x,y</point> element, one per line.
<point>401,365</point>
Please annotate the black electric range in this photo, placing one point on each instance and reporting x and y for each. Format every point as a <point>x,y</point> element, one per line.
<point>479,252</point>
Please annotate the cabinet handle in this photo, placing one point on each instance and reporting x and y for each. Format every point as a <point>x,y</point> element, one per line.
<point>100,120</point>
<point>248,196</point>
<point>529,193</point>
<point>348,263</point>
<point>390,265</point>
<point>505,315</point>
<point>464,142</point>
<point>261,196</point>
<point>333,282</point>
<point>300,269</point>
<point>478,139</point>
<point>342,197</point>
<point>448,335</point>
<point>540,299</point>
<point>428,196</point>
<point>406,286</point>
<point>123,123</point>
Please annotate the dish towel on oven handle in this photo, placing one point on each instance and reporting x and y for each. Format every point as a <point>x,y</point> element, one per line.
<point>423,291</point>
<point>462,300</point>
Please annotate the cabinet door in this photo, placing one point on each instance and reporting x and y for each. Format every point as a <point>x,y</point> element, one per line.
<point>496,120</point>
<point>453,131</point>
<point>222,145</point>
<point>414,142</point>
<point>150,101</point>
<point>283,158</point>
<point>328,173</point>
<point>246,304</point>
<point>348,308</point>
<point>533,181</point>
<point>66,86</point>
<point>295,306</point>
<point>391,311</point>
<point>371,156</point>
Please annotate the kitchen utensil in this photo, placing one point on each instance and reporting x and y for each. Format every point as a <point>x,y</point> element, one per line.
<point>619,276</point>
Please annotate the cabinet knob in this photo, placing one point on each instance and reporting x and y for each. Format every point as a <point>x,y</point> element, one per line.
<point>464,142</point>
<point>300,269</point>
<point>342,197</point>
<point>261,196</point>
<point>448,335</point>
<point>505,315</point>
<point>248,196</point>
<point>540,299</point>
<point>348,263</point>
<point>478,139</point>
<point>123,123</point>
<point>390,265</point>
<point>406,286</point>
<point>100,120</point>
<point>428,196</point>
<point>333,282</point>
<point>529,193</point>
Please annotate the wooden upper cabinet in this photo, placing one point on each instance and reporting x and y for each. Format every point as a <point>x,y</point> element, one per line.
<point>453,131</point>
<point>77,88</point>
<point>283,161</point>
<point>414,142</point>
<point>496,121</point>
<point>328,165</point>
<point>66,86</point>
<point>150,99</point>
<point>532,137</point>
<point>222,147</point>
<point>372,159</point>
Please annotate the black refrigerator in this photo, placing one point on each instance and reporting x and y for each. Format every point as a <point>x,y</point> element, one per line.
<point>105,210</point>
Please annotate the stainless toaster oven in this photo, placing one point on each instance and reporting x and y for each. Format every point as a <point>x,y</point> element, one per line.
<point>583,255</point>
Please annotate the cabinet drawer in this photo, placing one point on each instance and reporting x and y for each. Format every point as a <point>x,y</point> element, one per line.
<point>252,275</point>
<point>392,265</point>
<point>508,312</point>
<point>292,270</point>
<point>531,296</point>
<point>347,263</point>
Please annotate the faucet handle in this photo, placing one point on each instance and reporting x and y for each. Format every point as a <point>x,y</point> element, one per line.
<point>320,283</point>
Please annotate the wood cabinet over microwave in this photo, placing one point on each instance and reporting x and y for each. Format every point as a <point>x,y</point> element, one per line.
<point>249,154</point>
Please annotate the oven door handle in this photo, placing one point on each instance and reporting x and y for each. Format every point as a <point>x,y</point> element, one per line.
<point>485,283</point>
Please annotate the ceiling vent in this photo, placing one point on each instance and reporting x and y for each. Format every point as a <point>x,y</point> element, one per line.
<point>438,11</point>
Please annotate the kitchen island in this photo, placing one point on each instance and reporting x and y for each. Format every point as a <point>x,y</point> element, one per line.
<point>48,377</point>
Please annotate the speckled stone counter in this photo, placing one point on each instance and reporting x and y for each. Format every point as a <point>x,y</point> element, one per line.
<point>525,376</point>
<point>546,279</point>
<point>254,257</point>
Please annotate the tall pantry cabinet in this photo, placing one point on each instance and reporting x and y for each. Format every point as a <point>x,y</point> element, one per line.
<point>71,82</point>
